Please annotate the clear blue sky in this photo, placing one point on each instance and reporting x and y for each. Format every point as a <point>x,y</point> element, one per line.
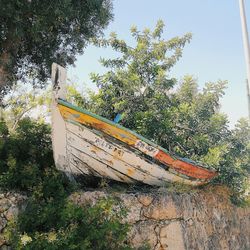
<point>215,52</point>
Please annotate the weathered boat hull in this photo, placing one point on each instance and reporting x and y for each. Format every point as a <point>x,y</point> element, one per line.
<point>93,153</point>
<point>85,143</point>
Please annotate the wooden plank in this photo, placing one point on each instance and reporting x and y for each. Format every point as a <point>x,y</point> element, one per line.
<point>118,157</point>
<point>75,170</point>
<point>107,159</point>
<point>99,168</point>
<point>80,167</point>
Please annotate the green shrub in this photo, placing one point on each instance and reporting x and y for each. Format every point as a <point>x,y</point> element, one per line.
<point>49,220</point>
<point>63,225</point>
<point>25,154</point>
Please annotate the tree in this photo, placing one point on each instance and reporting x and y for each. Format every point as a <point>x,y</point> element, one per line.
<point>36,33</point>
<point>24,101</point>
<point>140,73</point>
<point>26,165</point>
<point>139,87</point>
<point>176,115</point>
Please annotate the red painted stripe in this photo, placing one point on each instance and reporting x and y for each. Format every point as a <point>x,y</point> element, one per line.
<point>185,168</point>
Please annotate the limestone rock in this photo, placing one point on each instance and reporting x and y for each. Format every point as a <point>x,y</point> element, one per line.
<point>4,204</point>
<point>163,208</point>
<point>143,234</point>
<point>10,204</point>
<point>11,213</point>
<point>132,206</point>
<point>171,237</point>
<point>145,200</point>
<point>88,197</point>
<point>3,223</point>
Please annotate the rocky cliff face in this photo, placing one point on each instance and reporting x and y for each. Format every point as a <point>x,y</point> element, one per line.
<point>203,219</point>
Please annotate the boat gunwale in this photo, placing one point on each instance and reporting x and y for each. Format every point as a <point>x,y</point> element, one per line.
<point>140,137</point>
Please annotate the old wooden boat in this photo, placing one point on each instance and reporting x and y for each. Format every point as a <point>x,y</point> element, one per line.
<point>87,144</point>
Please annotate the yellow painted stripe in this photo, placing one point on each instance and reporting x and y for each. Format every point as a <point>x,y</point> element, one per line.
<point>118,133</point>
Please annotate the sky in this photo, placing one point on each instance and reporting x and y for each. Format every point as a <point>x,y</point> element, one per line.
<point>215,52</point>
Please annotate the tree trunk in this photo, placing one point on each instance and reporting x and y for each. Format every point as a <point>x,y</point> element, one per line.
<point>5,61</point>
<point>10,48</point>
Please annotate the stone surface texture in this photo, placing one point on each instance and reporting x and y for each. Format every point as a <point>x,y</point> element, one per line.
<point>10,205</point>
<point>201,219</point>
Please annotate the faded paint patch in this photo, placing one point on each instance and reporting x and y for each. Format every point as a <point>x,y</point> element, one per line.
<point>146,148</point>
<point>88,120</point>
<point>130,171</point>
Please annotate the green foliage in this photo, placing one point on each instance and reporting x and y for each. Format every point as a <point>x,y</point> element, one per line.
<point>138,86</point>
<point>234,165</point>
<point>75,97</point>
<point>177,116</point>
<point>49,220</point>
<point>4,131</point>
<point>72,227</point>
<point>34,34</point>
<point>25,154</point>
<point>25,101</point>
<point>139,74</point>
<point>180,118</point>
